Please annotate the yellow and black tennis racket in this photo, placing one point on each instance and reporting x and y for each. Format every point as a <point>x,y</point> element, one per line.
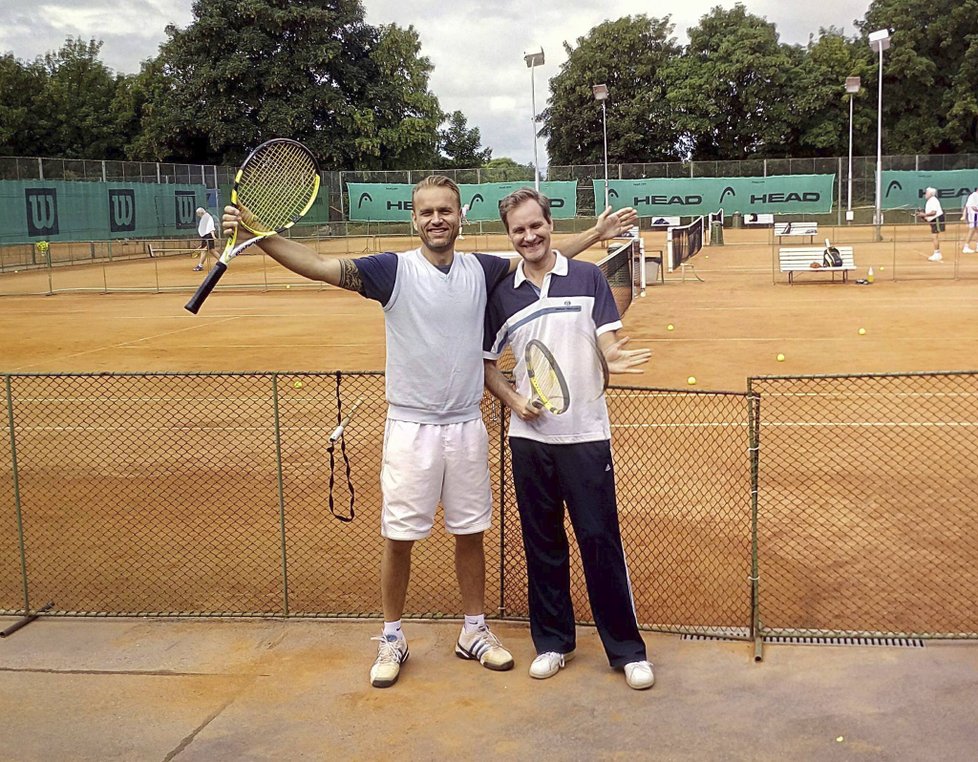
<point>547,380</point>
<point>274,188</point>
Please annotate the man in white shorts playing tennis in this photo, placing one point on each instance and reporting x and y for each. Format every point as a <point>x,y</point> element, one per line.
<point>934,214</point>
<point>970,215</point>
<point>435,443</point>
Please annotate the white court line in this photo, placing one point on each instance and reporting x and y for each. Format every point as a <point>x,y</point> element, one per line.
<point>804,424</point>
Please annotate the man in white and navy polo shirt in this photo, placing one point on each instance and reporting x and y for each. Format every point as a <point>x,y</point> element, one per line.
<point>564,459</point>
<point>435,443</point>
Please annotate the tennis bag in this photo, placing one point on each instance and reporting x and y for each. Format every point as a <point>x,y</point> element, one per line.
<point>831,257</point>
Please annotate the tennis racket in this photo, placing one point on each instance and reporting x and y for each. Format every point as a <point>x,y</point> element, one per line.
<point>546,378</point>
<point>274,188</point>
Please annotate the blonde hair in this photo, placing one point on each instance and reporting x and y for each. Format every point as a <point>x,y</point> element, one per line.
<point>437,181</point>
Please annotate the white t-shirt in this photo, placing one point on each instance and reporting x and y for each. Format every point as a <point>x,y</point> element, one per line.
<point>933,209</point>
<point>206,225</point>
<point>971,207</point>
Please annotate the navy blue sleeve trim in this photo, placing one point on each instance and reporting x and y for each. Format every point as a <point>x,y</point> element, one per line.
<point>378,273</point>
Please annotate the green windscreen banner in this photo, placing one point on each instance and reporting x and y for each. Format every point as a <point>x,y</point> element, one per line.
<point>694,196</point>
<point>905,189</point>
<point>383,202</point>
<point>58,210</point>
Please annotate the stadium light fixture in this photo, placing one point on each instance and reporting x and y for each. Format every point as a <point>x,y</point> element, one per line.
<point>853,85</point>
<point>533,59</point>
<point>879,41</point>
<point>601,94</point>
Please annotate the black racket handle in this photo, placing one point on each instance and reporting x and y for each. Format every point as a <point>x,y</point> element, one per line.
<point>205,288</point>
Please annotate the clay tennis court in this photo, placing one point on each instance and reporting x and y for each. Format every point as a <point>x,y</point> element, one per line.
<point>211,462</point>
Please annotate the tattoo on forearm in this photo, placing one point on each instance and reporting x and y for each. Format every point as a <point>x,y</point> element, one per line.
<point>350,276</point>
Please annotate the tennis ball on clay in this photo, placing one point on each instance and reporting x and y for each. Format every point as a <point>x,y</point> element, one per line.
<point>691,380</point>
<point>862,331</point>
<point>288,285</point>
<point>297,384</point>
<point>780,358</point>
<point>670,327</point>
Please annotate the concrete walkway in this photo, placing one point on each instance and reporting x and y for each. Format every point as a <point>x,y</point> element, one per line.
<point>107,689</point>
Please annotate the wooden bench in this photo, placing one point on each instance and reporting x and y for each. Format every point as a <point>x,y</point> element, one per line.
<point>799,260</point>
<point>797,229</point>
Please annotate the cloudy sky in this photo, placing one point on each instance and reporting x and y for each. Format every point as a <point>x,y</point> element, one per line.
<point>476,47</point>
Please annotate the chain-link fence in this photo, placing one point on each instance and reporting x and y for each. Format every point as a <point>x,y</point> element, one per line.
<point>828,505</point>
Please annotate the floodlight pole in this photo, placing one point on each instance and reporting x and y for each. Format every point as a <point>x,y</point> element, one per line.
<point>533,59</point>
<point>601,94</point>
<point>852,87</point>
<point>879,41</point>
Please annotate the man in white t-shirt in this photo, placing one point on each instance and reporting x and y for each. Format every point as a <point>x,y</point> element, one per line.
<point>463,220</point>
<point>435,443</point>
<point>934,214</point>
<point>970,215</point>
<point>205,229</point>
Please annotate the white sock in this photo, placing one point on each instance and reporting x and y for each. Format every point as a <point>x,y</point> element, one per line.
<point>393,628</point>
<point>473,623</point>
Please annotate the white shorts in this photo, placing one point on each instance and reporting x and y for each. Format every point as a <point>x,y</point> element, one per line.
<point>972,218</point>
<point>428,463</point>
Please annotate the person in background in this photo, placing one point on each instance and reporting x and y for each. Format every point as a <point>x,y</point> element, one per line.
<point>205,229</point>
<point>970,215</point>
<point>934,214</point>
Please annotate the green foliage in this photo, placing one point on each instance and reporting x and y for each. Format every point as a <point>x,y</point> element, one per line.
<point>248,70</point>
<point>504,169</point>
<point>930,74</point>
<point>732,89</point>
<point>820,105</point>
<point>460,146</point>
<point>61,104</point>
<point>629,55</point>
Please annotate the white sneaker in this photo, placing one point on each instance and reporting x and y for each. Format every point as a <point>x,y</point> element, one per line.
<point>968,250</point>
<point>485,648</point>
<point>549,664</point>
<point>391,654</point>
<point>935,257</point>
<point>638,675</point>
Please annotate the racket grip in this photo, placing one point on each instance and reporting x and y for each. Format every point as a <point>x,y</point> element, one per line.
<point>205,288</point>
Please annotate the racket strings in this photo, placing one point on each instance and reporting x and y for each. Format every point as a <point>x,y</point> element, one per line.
<point>546,379</point>
<point>277,186</point>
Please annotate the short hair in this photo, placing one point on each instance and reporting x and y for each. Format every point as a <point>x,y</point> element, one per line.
<point>517,197</point>
<point>931,190</point>
<point>201,210</point>
<point>437,181</point>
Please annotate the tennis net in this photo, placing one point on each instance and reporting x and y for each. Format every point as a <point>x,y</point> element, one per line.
<point>684,242</point>
<point>619,267</point>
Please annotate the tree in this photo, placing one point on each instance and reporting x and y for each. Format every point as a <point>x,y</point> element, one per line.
<point>314,70</point>
<point>819,122</point>
<point>930,74</point>
<point>629,55</point>
<point>504,170</point>
<point>19,88</point>
<point>459,146</point>
<point>402,114</point>
<point>731,89</point>
<point>58,105</point>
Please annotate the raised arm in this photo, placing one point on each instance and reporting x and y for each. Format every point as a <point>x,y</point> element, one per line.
<point>297,257</point>
<point>608,225</point>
